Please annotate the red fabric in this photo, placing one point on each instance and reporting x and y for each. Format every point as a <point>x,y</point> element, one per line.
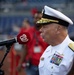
<point>35,56</point>
<point>23,29</point>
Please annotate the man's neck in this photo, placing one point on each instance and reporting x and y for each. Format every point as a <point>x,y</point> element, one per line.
<point>59,40</point>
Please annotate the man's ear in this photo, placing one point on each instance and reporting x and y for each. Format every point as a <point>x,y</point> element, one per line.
<point>58,29</point>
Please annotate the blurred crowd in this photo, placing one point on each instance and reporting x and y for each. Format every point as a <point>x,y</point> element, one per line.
<point>28,55</point>
<point>12,1</point>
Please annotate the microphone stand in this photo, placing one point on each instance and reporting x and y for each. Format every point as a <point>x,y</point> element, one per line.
<point>1,64</point>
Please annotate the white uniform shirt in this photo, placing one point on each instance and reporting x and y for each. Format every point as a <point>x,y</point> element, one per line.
<point>46,67</point>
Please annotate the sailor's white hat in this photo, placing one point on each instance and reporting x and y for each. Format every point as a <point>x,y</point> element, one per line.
<point>51,15</point>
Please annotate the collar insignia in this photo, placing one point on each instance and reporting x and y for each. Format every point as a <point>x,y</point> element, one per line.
<point>71,46</point>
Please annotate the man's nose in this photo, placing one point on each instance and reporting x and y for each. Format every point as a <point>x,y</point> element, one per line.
<point>41,29</point>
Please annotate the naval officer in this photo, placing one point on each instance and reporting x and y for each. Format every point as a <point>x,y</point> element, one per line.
<point>58,57</point>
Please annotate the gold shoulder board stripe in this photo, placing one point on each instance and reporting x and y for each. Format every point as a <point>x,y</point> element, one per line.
<point>71,46</point>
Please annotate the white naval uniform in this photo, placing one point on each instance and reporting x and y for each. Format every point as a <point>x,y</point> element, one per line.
<point>48,68</point>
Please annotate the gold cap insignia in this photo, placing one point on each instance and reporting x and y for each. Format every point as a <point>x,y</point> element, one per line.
<point>44,20</point>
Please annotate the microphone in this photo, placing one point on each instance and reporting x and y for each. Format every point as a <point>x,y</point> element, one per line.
<point>22,38</point>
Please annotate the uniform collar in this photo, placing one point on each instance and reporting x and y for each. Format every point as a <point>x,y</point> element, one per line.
<point>60,48</point>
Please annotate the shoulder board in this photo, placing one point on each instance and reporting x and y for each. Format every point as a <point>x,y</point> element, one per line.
<point>71,46</point>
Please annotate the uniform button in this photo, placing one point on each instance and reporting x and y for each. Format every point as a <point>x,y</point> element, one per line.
<point>42,58</point>
<point>52,67</point>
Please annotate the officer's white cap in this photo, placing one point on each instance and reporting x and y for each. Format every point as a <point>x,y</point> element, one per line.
<point>52,15</point>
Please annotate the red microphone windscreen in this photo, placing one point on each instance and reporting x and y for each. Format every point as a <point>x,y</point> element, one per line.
<point>23,38</point>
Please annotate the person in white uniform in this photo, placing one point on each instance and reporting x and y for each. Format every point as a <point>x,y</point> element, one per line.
<point>58,57</point>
